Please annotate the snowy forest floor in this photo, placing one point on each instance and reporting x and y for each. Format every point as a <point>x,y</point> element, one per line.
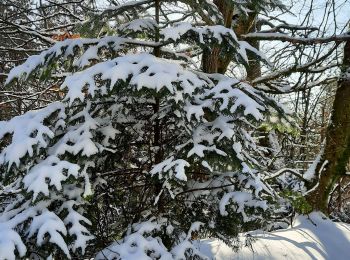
<point>313,237</point>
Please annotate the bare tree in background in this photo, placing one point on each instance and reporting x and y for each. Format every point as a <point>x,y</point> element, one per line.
<point>27,28</point>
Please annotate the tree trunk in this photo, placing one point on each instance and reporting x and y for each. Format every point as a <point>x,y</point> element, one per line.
<point>249,25</point>
<point>337,147</point>
<point>212,62</point>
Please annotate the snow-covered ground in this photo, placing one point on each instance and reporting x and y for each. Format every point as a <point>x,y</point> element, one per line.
<point>318,238</point>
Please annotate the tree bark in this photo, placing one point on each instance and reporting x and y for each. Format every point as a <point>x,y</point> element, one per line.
<point>337,147</point>
<point>244,26</point>
<point>213,62</point>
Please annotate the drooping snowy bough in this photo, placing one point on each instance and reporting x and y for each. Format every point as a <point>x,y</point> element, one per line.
<point>141,150</point>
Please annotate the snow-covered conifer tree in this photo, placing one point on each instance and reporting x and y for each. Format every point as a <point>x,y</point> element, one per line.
<point>144,149</point>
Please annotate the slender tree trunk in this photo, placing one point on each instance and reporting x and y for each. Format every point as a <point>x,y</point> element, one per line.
<point>337,149</point>
<point>306,96</point>
<point>157,128</point>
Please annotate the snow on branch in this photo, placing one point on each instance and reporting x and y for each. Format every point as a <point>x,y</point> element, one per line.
<point>66,49</point>
<point>49,222</point>
<point>74,220</point>
<point>141,241</point>
<point>10,241</point>
<point>210,35</point>
<point>181,29</point>
<point>224,92</point>
<point>63,49</point>
<point>129,5</point>
<point>241,201</point>
<point>140,70</point>
<point>51,172</point>
<point>299,40</point>
<point>138,25</point>
<point>167,165</point>
<point>28,132</point>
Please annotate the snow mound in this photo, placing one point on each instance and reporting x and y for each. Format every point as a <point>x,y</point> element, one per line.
<point>313,237</point>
